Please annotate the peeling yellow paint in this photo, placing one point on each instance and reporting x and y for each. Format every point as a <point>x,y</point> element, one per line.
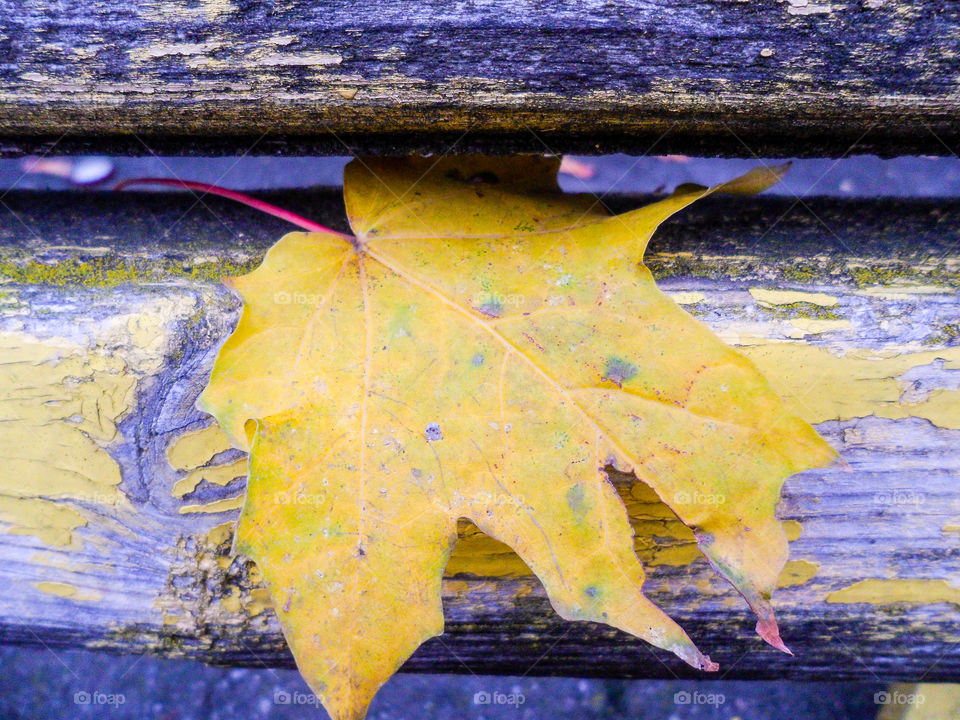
<point>798,572</point>
<point>687,298</point>
<point>63,561</point>
<point>65,590</point>
<point>788,297</point>
<point>824,386</point>
<point>196,448</point>
<point>231,601</point>
<point>814,326</point>
<point>219,534</point>
<point>61,404</point>
<point>950,528</point>
<point>793,529</point>
<point>904,291</point>
<point>890,592</point>
<point>61,400</point>
<point>659,537</point>
<point>259,601</point>
<point>216,474</point>
<point>52,523</point>
<point>481,555</point>
<point>234,503</point>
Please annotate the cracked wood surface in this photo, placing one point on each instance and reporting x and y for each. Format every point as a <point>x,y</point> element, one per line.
<point>116,496</point>
<point>775,77</point>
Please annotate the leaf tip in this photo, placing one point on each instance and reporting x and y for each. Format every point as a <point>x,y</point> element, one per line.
<point>755,181</point>
<point>768,630</point>
<point>708,665</point>
<point>689,653</point>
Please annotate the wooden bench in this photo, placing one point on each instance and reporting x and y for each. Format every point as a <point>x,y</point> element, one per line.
<point>116,494</point>
<point>807,77</point>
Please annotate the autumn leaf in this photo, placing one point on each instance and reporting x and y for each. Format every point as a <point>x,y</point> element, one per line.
<point>483,347</point>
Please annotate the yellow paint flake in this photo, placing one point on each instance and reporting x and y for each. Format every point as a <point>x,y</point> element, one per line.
<point>219,534</point>
<point>51,522</point>
<point>62,561</point>
<point>217,506</point>
<point>480,555</point>
<point>687,298</point>
<point>675,555</point>
<point>216,474</point>
<point>231,601</point>
<point>950,528</point>
<point>788,297</point>
<point>259,601</point>
<point>195,449</point>
<point>904,291</point>
<point>798,572</point>
<point>801,327</point>
<point>793,529</point>
<point>890,592</point>
<point>823,386</point>
<point>65,590</point>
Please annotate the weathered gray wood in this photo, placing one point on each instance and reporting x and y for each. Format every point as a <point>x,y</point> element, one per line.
<point>109,318</point>
<point>773,76</point>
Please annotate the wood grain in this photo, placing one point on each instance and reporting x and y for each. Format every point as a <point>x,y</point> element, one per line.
<point>110,314</point>
<point>775,77</point>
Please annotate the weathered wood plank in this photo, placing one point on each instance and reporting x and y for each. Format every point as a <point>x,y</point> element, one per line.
<point>782,77</point>
<point>117,500</point>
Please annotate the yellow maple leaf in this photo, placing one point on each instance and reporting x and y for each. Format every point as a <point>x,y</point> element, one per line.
<point>483,347</point>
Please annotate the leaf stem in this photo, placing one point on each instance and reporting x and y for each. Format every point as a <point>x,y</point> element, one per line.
<point>247,200</point>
